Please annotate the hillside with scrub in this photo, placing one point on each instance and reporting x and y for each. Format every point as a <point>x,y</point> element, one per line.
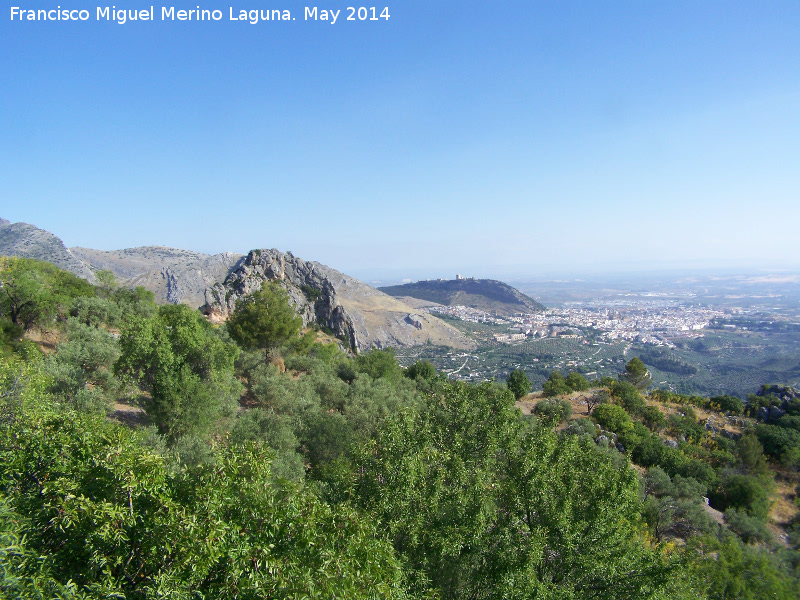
<point>147,452</point>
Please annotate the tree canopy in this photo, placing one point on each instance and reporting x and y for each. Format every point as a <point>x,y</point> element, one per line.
<point>637,374</point>
<point>264,320</point>
<point>518,383</point>
<point>33,292</point>
<point>187,370</point>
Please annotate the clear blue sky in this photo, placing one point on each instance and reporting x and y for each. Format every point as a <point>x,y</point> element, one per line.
<point>469,136</point>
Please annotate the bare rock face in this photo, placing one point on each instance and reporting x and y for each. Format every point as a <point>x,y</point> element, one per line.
<point>28,241</point>
<point>353,310</point>
<point>173,275</point>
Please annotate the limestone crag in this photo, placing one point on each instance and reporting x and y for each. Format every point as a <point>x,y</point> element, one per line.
<point>172,274</point>
<point>28,241</point>
<point>357,313</point>
<point>310,291</point>
<point>353,310</point>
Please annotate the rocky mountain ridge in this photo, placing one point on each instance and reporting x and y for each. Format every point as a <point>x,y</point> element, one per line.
<point>358,313</point>
<point>353,310</point>
<point>172,274</point>
<point>28,241</point>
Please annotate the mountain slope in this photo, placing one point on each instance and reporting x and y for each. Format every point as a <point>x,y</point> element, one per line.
<point>28,241</point>
<point>172,274</point>
<point>350,308</point>
<point>355,311</point>
<point>484,294</point>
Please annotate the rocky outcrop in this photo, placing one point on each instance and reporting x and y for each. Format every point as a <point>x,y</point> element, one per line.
<point>173,275</point>
<point>356,312</point>
<point>28,241</point>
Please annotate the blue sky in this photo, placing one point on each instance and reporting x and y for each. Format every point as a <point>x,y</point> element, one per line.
<point>478,137</point>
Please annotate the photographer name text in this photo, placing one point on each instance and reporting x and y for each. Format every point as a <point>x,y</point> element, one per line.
<point>171,13</point>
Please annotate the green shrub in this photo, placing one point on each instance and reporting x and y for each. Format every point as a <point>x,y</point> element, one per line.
<point>577,382</point>
<point>553,410</point>
<point>555,385</point>
<point>653,418</point>
<point>742,492</point>
<point>750,529</point>
<point>613,417</point>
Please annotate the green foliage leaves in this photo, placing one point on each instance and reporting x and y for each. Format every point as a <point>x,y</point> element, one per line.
<point>113,518</point>
<point>636,373</point>
<point>518,383</point>
<point>629,397</point>
<point>743,492</point>
<point>423,369</point>
<point>187,370</point>
<point>379,364</point>
<point>727,568</point>
<point>553,411</point>
<point>555,385</point>
<point>780,443</point>
<point>480,506</point>
<point>726,403</point>
<point>653,418</point>
<point>264,320</point>
<point>577,382</point>
<point>675,506</point>
<point>34,292</point>
<point>613,418</point>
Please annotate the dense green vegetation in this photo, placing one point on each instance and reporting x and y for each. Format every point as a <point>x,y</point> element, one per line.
<point>318,474</point>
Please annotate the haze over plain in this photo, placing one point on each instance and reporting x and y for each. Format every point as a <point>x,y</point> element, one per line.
<point>455,136</point>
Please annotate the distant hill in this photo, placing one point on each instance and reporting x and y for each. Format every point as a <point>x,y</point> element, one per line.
<point>28,241</point>
<point>484,294</point>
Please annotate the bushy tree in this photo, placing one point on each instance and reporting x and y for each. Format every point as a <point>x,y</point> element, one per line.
<point>96,311</point>
<point>479,505</point>
<point>653,418</point>
<point>105,517</point>
<point>636,373</point>
<point>728,568</point>
<point>743,492</point>
<point>613,417</point>
<point>750,453</point>
<point>33,292</point>
<point>423,369</point>
<point>726,403</point>
<point>629,397</point>
<point>259,425</point>
<point>264,320</point>
<point>518,383</point>
<point>380,364</point>
<point>577,382</point>
<point>780,444</point>
<point>187,371</point>
<point>750,529</point>
<point>555,385</point>
<point>674,506</point>
<point>553,410</point>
